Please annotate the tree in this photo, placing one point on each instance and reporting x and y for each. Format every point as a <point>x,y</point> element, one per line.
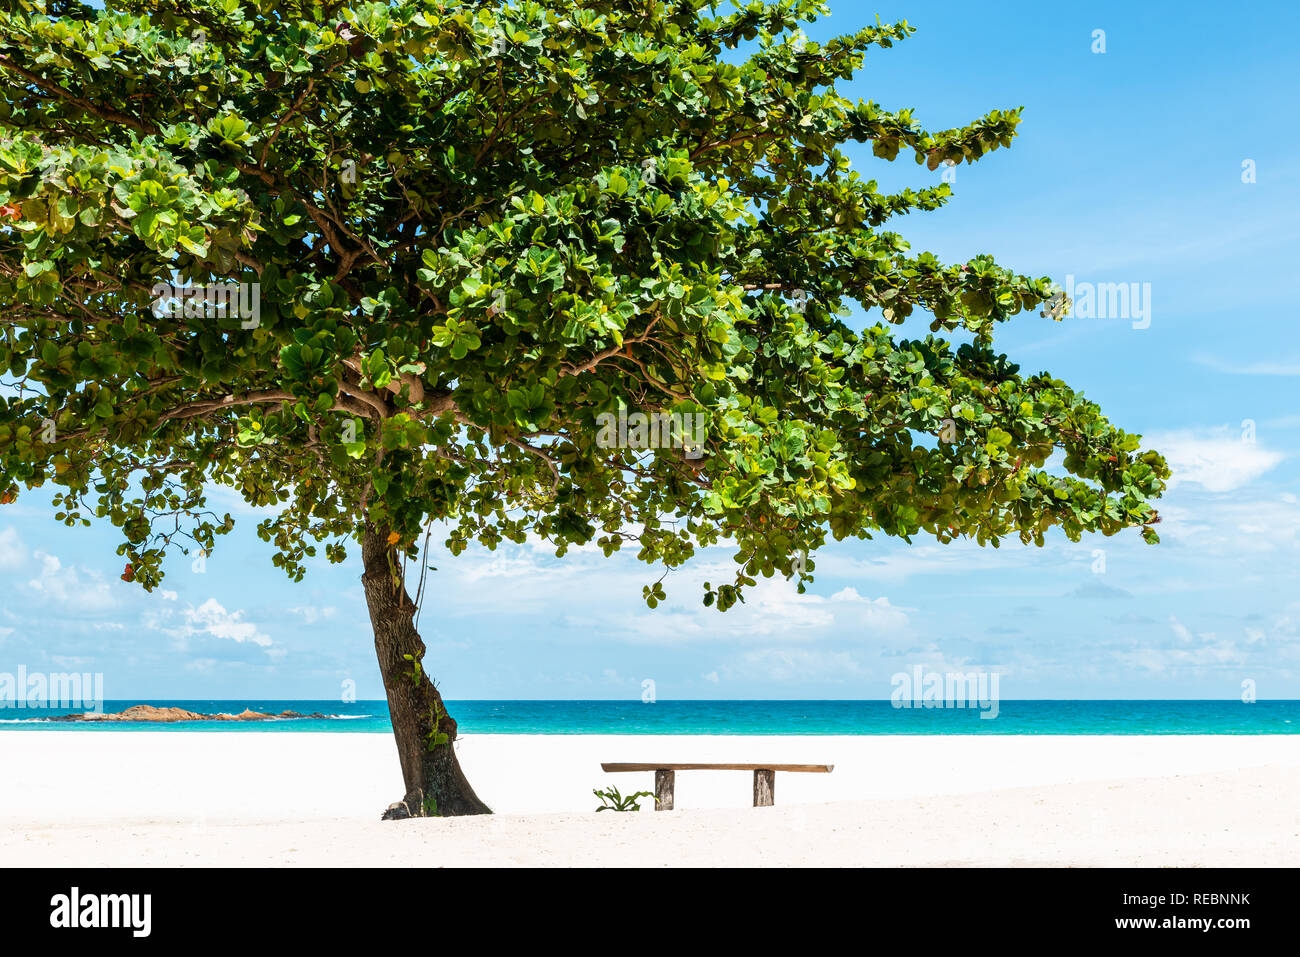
<point>577,270</point>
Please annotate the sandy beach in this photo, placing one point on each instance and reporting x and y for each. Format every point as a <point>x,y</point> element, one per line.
<point>239,799</point>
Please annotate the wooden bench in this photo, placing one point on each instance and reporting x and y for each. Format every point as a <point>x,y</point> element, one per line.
<point>764,778</point>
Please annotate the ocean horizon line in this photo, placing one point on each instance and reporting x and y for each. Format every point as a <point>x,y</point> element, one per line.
<point>172,701</point>
<point>719,716</point>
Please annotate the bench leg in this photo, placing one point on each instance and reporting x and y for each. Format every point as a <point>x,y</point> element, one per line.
<point>664,790</point>
<point>764,788</point>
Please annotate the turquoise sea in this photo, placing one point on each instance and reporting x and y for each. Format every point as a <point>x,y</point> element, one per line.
<point>724,717</point>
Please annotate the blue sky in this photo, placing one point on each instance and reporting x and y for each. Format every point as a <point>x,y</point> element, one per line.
<point>1128,168</point>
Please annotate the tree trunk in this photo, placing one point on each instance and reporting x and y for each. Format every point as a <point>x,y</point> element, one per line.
<point>435,784</point>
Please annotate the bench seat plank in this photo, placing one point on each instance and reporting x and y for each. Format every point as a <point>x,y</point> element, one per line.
<point>817,768</point>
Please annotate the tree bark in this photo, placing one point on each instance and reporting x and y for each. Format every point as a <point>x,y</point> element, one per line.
<point>435,784</point>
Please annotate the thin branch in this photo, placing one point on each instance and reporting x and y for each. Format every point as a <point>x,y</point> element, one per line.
<point>203,406</point>
<point>550,462</point>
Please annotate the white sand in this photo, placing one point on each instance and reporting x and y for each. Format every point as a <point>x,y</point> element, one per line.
<point>126,798</point>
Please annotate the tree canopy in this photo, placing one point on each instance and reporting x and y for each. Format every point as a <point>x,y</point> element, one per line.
<point>471,230</point>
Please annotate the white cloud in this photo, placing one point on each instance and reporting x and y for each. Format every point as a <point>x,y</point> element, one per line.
<point>1211,654</point>
<point>311,614</point>
<point>1277,367</point>
<point>69,591</point>
<point>800,664</point>
<point>13,554</point>
<point>72,662</point>
<point>897,562</point>
<point>772,607</point>
<point>212,619</point>
<point>1240,527</point>
<point>502,565</point>
<point>1218,460</point>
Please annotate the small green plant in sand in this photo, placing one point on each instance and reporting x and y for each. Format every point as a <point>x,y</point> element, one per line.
<point>611,800</point>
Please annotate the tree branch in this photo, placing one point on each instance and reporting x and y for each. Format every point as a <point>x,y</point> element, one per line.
<point>203,406</point>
